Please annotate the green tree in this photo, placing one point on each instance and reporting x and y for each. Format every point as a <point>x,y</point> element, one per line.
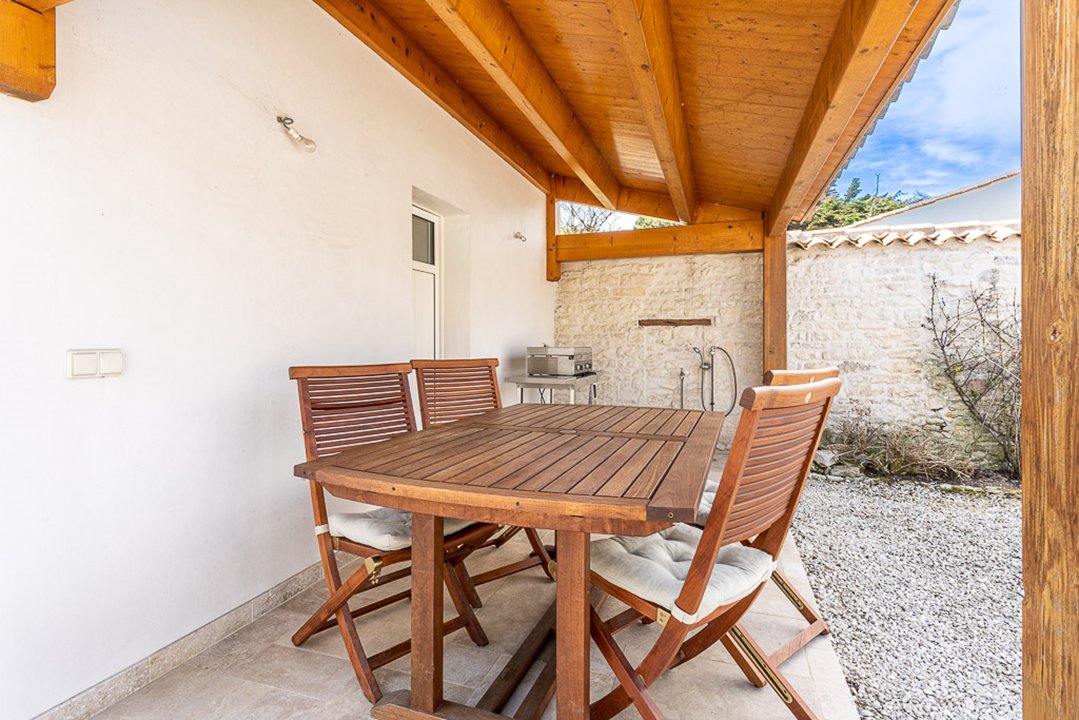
<point>837,210</point>
<point>651,222</point>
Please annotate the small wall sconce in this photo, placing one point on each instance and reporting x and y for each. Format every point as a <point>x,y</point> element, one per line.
<point>304,142</point>
<point>520,236</point>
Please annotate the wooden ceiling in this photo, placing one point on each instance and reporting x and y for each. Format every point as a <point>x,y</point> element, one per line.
<point>682,109</point>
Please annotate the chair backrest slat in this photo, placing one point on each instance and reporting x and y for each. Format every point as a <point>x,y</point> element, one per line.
<point>346,406</point>
<point>782,445</point>
<point>452,390</point>
<point>773,378</point>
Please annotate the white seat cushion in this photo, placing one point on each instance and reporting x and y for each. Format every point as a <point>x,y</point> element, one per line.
<point>654,568</point>
<point>711,487</point>
<point>383,528</point>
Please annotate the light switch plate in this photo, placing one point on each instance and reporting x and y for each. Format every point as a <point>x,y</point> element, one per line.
<point>110,363</point>
<point>83,364</point>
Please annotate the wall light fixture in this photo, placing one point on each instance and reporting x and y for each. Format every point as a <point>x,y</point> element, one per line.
<point>305,142</point>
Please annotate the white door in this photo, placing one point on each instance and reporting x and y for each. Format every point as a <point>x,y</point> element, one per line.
<point>426,286</point>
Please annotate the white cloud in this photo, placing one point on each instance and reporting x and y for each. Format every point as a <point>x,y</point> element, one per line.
<point>957,121</point>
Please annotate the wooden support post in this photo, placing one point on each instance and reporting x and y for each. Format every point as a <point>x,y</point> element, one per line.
<point>1050,348</point>
<point>27,51</point>
<point>554,269</point>
<point>775,303</point>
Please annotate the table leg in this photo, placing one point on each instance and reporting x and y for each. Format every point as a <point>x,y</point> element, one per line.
<point>572,630</point>
<point>521,394</point>
<point>427,602</point>
<point>573,396</point>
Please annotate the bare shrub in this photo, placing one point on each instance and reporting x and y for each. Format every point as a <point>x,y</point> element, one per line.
<point>977,347</point>
<point>880,449</point>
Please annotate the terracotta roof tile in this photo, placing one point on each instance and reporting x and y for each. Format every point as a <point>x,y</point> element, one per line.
<point>907,235</point>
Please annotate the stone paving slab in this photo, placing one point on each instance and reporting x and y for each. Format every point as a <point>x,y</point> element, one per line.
<point>257,672</point>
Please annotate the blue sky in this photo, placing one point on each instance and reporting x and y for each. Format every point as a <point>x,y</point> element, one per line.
<point>956,122</point>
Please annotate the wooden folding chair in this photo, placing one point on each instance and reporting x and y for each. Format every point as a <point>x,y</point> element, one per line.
<point>703,580</point>
<point>817,625</point>
<point>344,407</point>
<point>451,390</point>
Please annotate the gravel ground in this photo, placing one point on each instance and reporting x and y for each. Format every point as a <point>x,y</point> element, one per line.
<point>922,589</point>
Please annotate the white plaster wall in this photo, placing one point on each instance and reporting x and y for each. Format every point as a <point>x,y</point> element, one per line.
<point>600,302</point>
<point>993,203</point>
<point>153,204</point>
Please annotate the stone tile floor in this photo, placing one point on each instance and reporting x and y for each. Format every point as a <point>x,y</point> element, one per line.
<point>258,673</point>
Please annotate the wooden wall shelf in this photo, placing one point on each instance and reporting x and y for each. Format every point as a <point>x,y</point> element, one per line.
<point>674,322</point>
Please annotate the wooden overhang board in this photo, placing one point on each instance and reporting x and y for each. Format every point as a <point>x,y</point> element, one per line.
<point>585,468</point>
<point>660,107</point>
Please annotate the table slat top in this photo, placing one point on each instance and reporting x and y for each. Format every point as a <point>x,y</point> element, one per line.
<point>603,468</point>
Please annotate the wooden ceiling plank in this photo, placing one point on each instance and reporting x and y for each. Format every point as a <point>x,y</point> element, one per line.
<point>368,22</point>
<point>863,37</point>
<point>27,51</point>
<point>489,32</point>
<point>648,44</point>
<point>734,236</point>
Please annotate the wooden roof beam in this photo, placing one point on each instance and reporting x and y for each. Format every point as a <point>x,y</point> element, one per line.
<point>489,32</point>
<point>640,202</point>
<point>863,37</point>
<point>27,51</point>
<point>648,44</point>
<point>733,236</point>
<point>378,31</point>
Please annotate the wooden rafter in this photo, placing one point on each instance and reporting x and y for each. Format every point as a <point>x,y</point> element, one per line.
<point>863,37</point>
<point>914,42</point>
<point>489,32</point>
<point>378,31</point>
<point>734,236</point>
<point>648,44</point>
<point>27,51</point>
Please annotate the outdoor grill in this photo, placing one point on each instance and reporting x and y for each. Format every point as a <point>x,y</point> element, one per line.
<point>559,361</point>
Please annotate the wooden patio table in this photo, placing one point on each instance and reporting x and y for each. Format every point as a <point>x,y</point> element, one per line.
<point>574,469</point>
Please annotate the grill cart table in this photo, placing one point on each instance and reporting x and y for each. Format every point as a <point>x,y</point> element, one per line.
<point>576,469</point>
<point>573,383</point>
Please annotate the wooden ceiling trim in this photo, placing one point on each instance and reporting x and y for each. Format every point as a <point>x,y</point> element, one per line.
<point>862,41</point>
<point>648,44</point>
<point>490,33</point>
<point>27,51</point>
<point>368,22</point>
<point>733,236</point>
<point>928,18</point>
<point>640,202</point>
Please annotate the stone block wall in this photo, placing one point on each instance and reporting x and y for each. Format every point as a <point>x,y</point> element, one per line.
<point>599,303</point>
<point>864,310</point>
<point>861,309</point>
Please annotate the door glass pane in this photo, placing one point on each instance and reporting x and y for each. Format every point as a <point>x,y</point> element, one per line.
<point>423,240</point>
